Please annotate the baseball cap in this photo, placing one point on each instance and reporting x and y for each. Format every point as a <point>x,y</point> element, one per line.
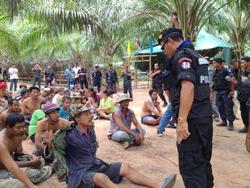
<point>168,33</point>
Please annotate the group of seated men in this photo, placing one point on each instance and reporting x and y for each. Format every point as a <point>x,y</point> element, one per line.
<point>49,122</point>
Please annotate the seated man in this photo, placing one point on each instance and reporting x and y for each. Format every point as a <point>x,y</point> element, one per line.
<point>85,170</point>
<point>37,116</point>
<point>151,110</point>
<point>49,125</point>
<point>32,103</point>
<point>10,139</point>
<point>3,101</point>
<point>13,106</point>
<point>120,127</point>
<point>106,107</point>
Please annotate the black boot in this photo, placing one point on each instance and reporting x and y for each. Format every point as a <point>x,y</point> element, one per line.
<point>222,124</point>
<point>230,126</point>
<point>243,130</point>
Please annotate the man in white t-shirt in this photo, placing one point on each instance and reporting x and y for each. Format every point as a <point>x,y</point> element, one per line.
<point>13,72</point>
<point>76,68</point>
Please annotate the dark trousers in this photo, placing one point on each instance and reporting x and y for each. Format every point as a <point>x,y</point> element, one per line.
<point>48,82</point>
<point>195,154</point>
<point>244,114</point>
<point>37,80</point>
<point>127,88</point>
<point>225,106</point>
<point>13,82</point>
<point>160,93</point>
<point>85,83</point>
<point>112,87</point>
<point>98,85</point>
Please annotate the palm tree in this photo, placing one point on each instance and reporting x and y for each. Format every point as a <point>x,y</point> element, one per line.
<point>234,20</point>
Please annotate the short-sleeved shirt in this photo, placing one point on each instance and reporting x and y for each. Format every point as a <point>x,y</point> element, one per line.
<point>108,103</point>
<point>37,73</point>
<point>184,67</point>
<point>82,77</point>
<point>97,75</point>
<point>126,78</point>
<point>36,117</point>
<point>13,72</point>
<point>126,119</point>
<point>64,114</point>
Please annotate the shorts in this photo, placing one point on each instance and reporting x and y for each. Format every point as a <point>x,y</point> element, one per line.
<point>111,170</point>
<point>146,118</point>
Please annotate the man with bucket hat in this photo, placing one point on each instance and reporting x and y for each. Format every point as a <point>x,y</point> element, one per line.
<point>48,126</point>
<point>86,170</point>
<point>191,108</point>
<point>121,121</point>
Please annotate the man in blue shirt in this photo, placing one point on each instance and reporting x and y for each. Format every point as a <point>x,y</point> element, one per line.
<point>97,77</point>
<point>86,170</point>
<point>70,76</point>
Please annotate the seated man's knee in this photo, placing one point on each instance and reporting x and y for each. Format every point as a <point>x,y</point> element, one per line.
<point>101,179</point>
<point>125,169</point>
<point>120,136</point>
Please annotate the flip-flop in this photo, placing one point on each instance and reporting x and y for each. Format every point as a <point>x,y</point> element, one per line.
<point>169,181</point>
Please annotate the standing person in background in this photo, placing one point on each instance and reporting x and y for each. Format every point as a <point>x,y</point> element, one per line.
<point>70,76</point>
<point>37,75</point>
<point>49,76</point>
<point>82,76</point>
<point>3,101</point>
<point>225,90</point>
<point>127,85</point>
<point>111,79</point>
<point>2,77</point>
<point>97,77</point>
<point>13,72</point>
<point>76,68</point>
<point>157,82</point>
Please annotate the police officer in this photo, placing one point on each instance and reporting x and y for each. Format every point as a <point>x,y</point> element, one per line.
<point>127,85</point>
<point>111,79</point>
<point>97,77</point>
<point>243,94</point>
<point>157,82</point>
<point>191,108</point>
<point>82,76</point>
<point>224,88</point>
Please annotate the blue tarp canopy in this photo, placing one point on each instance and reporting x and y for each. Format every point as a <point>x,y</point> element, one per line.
<point>204,41</point>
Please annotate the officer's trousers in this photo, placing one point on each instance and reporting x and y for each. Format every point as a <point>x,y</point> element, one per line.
<point>244,114</point>
<point>195,154</point>
<point>112,87</point>
<point>225,106</point>
<point>127,88</point>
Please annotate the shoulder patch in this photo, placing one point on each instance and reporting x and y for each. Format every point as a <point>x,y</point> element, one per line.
<point>185,63</point>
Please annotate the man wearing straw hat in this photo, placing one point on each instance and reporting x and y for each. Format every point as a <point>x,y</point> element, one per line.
<point>86,170</point>
<point>120,128</point>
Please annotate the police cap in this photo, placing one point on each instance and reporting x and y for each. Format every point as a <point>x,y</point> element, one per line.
<point>169,33</point>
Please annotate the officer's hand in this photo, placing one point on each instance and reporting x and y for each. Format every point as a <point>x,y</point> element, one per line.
<point>182,131</point>
<point>248,142</point>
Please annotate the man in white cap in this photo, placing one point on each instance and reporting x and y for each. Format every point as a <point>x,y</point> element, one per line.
<point>48,126</point>
<point>120,127</point>
<point>86,170</point>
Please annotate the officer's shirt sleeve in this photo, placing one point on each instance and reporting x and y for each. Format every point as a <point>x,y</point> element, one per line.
<point>184,69</point>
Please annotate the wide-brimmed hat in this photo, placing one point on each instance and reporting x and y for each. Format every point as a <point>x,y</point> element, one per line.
<point>82,108</point>
<point>50,107</point>
<point>122,97</point>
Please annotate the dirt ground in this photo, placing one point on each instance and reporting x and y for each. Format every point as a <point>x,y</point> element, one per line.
<point>158,157</point>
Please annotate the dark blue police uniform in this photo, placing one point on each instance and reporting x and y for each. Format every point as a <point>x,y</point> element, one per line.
<point>97,76</point>
<point>224,102</point>
<point>157,84</point>
<point>127,85</point>
<point>111,79</point>
<point>195,152</point>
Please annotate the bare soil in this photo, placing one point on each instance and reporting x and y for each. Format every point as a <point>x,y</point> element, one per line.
<point>158,157</point>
